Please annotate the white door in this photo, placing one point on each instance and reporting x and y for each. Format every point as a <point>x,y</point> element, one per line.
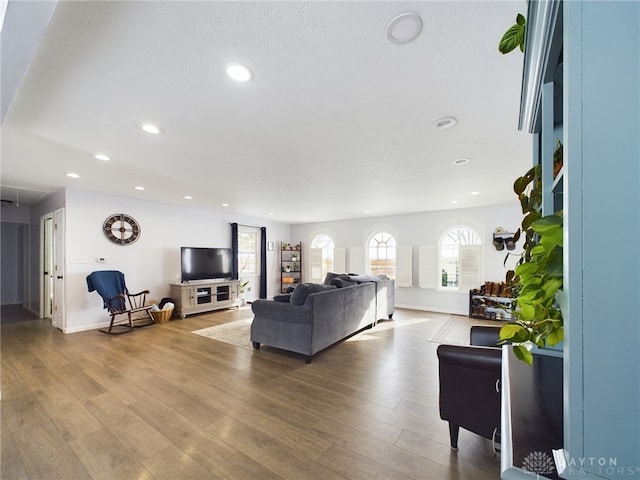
<point>46,266</point>
<point>58,319</point>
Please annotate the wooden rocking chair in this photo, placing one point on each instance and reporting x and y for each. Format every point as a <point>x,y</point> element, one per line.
<point>119,301</point>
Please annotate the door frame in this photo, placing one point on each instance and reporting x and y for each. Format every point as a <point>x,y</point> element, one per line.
<point>59,319</point>
<point>46,270</point>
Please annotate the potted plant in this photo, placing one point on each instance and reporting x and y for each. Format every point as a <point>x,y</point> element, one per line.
<point>244,287</point>
<point>538,276</point>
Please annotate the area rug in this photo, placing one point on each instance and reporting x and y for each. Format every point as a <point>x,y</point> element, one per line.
<point>235,333</point>
<point>455,331</point>
<point>452,330</point>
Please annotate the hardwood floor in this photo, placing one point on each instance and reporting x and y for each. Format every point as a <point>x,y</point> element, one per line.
<point>163,403</point>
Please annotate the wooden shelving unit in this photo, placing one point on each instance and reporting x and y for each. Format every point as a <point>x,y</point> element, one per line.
<point>290,266</point>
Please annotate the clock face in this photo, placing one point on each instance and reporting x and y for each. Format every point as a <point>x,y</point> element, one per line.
<point>121,229</point>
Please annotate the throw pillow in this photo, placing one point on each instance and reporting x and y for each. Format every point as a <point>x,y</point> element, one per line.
<point>368,278</point>
<point>330,276</point>
<point>302,291</point>
<point>341,283</point>
<point>285,297</point>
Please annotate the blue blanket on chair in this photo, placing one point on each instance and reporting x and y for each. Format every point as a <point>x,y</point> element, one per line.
<point>108,284</point>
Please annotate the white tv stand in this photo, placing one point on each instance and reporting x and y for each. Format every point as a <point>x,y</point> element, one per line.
<point>204,296</point>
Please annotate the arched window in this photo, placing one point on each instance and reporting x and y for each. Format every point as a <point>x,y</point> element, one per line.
<point>382,254</point>
<point>460,258</point>
<point>321,256</point>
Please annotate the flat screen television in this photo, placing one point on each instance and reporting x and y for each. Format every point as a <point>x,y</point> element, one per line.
<point>205,263</point>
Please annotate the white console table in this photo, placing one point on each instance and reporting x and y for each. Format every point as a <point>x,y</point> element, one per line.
<point>199,297</point>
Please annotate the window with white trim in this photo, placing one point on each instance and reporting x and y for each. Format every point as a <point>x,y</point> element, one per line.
<point>248,254</point>
<point>460,259</point>
<point>382,254</point>
<point>322,249</point>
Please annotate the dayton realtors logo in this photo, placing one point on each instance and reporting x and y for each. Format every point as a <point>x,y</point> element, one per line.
<point>599,466</point>
<point>538,462</point>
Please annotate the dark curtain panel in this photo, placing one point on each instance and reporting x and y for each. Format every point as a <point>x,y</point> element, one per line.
<point>263,262</point>
<point>234,250</point>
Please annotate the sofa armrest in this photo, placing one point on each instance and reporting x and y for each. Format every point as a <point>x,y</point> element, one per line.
<point>281,311</point>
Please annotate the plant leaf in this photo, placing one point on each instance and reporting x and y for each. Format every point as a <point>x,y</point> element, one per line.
<point>526,269</point>
<point>527,312</point>
<point>555,336</point>
<point>548,223</point>
<point>554,267</point>
<point>514,332</point>
<point>509,276</point>
<point>516,236</point>
<point>529,219</point>
<point>538,250</point>
<point>522,353</point>
<point>512,38</point>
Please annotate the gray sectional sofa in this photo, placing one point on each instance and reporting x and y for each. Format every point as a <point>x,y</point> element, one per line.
<point>385,290</point>
<point>315,316</point>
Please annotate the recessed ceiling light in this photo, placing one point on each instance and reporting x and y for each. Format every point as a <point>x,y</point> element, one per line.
<point>150,128</point>
<point>271,214</point>
<point>224,204</point>
<point>366,211</point>
<point>239,73</point>
<point>455,201</point>
<point>460,161</point>
<point>445,122</point>
<point>138,188</point>
<point>188,197</point>
<point>474,193</point>
<point>72,175</point>
<point>101,156</point>
<point>404,28</point>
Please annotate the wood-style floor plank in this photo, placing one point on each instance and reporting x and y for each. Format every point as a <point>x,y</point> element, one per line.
<point>105,457</point>
<point>161,402</point>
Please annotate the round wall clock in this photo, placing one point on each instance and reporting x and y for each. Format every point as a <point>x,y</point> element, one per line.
<point>121,229</point>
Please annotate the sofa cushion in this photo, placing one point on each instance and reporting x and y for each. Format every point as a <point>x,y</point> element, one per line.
<point>368,278</point>
<point>341,283</point>
<point>330,276</point>
<point>303,290</point>
<point>284,297</point>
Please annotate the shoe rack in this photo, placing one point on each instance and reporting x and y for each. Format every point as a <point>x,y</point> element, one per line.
<point>492,301</point>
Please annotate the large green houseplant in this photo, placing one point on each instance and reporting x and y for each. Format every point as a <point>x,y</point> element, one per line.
<point>537,278</point>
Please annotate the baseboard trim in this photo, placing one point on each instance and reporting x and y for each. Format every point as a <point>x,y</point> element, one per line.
<point>84,328</point>
<point>431,309</point>
<point>29,309</point>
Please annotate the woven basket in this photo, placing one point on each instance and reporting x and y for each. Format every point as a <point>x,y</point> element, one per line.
<point>162,316</point>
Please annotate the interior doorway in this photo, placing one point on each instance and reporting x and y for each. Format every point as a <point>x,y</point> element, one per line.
<point>52,268</point>
<point>14,259</point>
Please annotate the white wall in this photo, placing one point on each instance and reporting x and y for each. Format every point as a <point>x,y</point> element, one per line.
<point>153,262</point>
<point>423,229</point>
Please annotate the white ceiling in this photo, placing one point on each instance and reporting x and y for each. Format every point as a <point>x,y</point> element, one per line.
<point>336,121</point>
